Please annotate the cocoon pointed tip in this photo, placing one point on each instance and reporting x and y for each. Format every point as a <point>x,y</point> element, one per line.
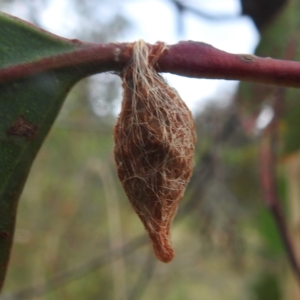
<point>162,247</point>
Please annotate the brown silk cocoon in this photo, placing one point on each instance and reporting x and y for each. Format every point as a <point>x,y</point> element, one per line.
<point>154,146</point>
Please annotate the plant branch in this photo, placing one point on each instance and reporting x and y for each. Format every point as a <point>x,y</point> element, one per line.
<point>190,59</point>
<point>272,201</point>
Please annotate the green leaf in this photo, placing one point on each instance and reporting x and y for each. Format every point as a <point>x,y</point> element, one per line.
<point>22,42</point>
<point>28,108</point>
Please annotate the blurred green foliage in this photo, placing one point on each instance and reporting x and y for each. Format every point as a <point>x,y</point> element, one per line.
<point>63,223</point>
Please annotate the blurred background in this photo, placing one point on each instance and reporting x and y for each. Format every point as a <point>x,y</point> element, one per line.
<point>77,236</point>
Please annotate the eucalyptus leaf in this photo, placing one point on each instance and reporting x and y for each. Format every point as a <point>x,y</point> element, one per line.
<point>28,108</point>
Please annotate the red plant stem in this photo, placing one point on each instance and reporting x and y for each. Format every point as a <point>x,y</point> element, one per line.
<point>191,59</point>
<point>272,201</point>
